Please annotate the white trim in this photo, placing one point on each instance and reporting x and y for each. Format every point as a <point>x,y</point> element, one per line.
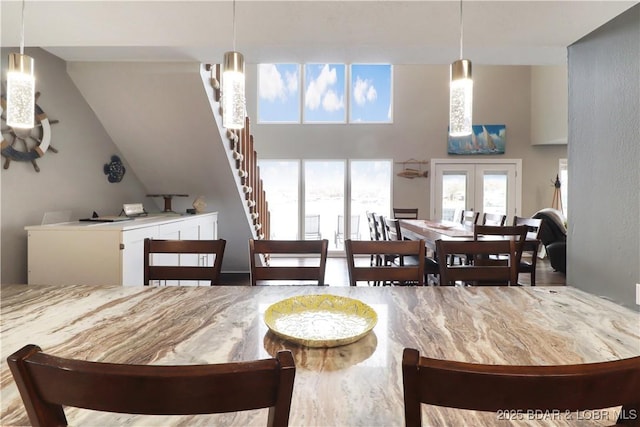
<point>466,161</point>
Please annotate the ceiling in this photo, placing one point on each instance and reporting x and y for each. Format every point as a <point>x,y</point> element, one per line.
<point>399,32</point>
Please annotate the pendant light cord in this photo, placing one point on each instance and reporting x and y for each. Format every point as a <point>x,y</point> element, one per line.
<point>234,25</point>
<point>22,30</point>
<point>461,29</point>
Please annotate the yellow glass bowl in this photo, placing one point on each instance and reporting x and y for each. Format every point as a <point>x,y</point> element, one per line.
<point>320,320</point>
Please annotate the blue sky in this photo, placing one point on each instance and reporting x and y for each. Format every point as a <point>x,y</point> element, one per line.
<point>325,99</point>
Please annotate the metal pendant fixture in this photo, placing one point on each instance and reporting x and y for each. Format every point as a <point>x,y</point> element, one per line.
<point>233,99</point>
<point>21,85</point>
<point>461,93</point>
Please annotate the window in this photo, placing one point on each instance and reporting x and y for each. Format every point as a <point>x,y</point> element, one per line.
<point>280,179</point>
<point>325,94</point>
<point>370,100</point>
<point>278,93</point>
<point>324,100</point>
<point>314,198</point>
<point>563,174</point>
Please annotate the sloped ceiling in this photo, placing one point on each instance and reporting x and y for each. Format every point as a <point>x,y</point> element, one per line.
<point>161,119</point>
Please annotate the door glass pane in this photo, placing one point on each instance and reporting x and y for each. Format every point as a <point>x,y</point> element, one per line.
<point>454,195</point>
<point>323,198</point>
<point>280,180</point>
<point>494,196</point>
<point>370,191</point>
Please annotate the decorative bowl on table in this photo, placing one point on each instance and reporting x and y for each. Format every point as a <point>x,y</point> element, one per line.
<point>320,320</point>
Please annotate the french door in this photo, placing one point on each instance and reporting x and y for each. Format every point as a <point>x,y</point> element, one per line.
<point>486,186</point>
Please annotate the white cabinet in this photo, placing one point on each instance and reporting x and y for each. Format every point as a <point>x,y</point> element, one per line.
<point>108,253</point>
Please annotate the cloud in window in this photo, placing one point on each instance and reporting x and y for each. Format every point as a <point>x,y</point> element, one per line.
<point>319,93</point>
<point>331,102</point>
<point>273,86</point>
<point>364,91</point>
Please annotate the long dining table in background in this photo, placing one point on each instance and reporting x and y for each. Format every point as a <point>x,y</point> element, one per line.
<point>359,384</point>
<point>430,231</point>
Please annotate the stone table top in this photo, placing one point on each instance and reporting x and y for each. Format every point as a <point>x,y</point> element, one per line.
<point>359,384</point>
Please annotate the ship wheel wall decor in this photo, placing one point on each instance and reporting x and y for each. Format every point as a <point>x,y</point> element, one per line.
<point>26,145</point>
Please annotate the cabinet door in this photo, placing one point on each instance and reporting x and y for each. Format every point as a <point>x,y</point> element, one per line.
<point>133,254</point>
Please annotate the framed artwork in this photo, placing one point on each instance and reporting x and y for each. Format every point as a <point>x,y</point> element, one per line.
<point>485,139</point>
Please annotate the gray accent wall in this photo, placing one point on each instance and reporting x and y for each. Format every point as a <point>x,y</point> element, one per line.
<point>72,179</point>
<point>604,160</point>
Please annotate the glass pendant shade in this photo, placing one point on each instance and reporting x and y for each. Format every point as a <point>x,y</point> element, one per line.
<point>461,99</point>
<point>20,91</point>
<point>233,99</point>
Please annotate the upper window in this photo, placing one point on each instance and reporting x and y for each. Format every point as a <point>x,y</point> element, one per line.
<point>324,93</point>
<point>278,93</point>
<point>370,100</point>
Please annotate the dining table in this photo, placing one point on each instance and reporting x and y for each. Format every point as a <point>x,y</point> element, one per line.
<point>432,230</point>
<point>359,384</point>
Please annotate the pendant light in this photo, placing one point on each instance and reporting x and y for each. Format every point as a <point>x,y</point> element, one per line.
<point>20,87</point>
<point>233,99</point>
<point>461,93</point>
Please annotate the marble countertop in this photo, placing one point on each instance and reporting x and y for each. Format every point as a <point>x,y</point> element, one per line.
<point>355,385</point>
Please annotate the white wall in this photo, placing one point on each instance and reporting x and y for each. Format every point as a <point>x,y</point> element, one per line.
<point>604,160</point>
<point>549,104</point>
<point>72,179</point>
<point>502,95</point>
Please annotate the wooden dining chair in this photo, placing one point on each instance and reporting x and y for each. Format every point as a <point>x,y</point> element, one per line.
<point>374,235</point>
<point>405,274</point>
<point>469,218</point>
<point>557,389</point>
<point>394,232</point>
<point>205,268</point>
<point>531,246</point>
<point>481,270</point>
<point>47,382</point>
<point>405,213</point>
<point>493,219</point>
<point>265,267</point>
<point>518,233</point>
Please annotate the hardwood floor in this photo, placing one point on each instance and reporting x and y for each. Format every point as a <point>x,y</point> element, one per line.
<point>337,275</point>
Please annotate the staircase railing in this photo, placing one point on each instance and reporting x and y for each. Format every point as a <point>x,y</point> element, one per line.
<point>246,164</point>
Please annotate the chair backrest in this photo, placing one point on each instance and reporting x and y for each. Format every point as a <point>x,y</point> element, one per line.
<point>47,382</point>
<point>355,226</point>
<point>481,270</point>
<point>405,213</point>
<point>312,227</point>
<point>292,248</point>
<point>406,273</point>
<point>373,226</point>
<point>534,226</point>
<point>559,388</point>
<point>518,233</point>
<point>210,272</point>
<point>382,229</point>
<point>392,226</point>
<point>469,218</point>
<point>493,219</point>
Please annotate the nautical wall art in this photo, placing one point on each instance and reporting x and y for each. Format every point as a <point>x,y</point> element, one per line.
<point>485,139</point>
<point>114,170</point>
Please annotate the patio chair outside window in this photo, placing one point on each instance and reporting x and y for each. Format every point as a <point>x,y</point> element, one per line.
<point>312,227</point>
<point>338,237</point>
